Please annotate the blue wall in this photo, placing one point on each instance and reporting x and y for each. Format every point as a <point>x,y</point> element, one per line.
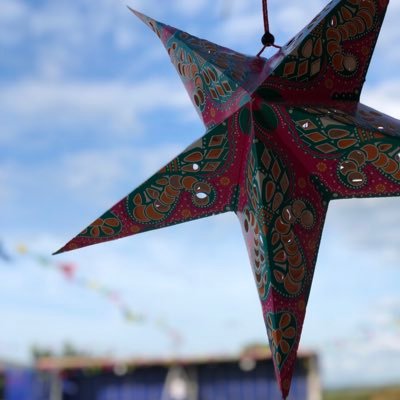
<point>221,381</point>
<point>24,384</point>
<point>217,381</point>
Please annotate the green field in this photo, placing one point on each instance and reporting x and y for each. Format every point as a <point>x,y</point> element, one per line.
<point>387,393</point>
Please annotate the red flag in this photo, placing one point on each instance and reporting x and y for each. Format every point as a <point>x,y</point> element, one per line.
<point>68,270</point>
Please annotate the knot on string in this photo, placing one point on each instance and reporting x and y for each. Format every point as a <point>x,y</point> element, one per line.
<point>268,39</point>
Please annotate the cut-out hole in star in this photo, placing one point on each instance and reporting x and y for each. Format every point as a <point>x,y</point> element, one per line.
<point>201,195</point>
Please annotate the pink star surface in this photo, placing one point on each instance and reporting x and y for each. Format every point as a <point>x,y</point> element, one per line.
<point>284,137</point>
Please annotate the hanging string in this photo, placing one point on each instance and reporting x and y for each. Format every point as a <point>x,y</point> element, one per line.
<point>265,14</point>
<point>268,39</point>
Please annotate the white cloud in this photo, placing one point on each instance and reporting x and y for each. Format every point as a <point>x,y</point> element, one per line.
<point>11,9</point>
<point>373,348</point>
<point>68,22</point>
<point>124,38</point>
<point>84,168</point>
<point>346,367</point>
<point>57,19</point>
<point>89,181</point>
<point>189,8</point>
<point>293,17</point>
<point>243,23</point>
<point>390,33</point>
<point>384,97</point>
<point>6,185</point>
<point>74,29</point>
<point>241,28</point>
<point>119,106</point>
<point>369,224</point>
<point>89,98</point>
<point>54,62</point>
<point>97,174</point>
<point>12,13</point>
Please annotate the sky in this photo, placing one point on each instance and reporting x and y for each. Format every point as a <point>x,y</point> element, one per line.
<point>90,106</point>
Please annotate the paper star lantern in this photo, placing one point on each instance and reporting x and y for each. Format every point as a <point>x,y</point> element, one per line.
<point>284,137</point>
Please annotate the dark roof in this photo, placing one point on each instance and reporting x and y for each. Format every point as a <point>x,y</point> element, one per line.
<point>85,362</point>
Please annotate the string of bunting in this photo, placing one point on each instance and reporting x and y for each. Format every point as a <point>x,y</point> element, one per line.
<point>69,271</point>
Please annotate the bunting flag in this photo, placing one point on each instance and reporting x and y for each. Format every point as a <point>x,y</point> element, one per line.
<point>4,254</point>
<point>174,336</point>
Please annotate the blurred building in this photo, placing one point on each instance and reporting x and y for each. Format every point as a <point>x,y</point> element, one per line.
<point>13,381</point>
<point>248,377</point>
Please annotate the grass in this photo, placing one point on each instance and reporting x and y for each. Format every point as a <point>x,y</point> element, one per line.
<point>386,393</point>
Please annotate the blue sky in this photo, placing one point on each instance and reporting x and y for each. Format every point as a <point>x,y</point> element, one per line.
<point>90,107</point>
